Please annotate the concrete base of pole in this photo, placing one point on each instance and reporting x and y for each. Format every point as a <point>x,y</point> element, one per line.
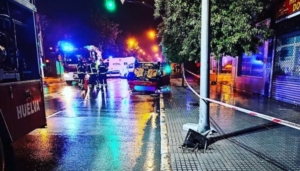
<point>194,127</point>
<point>188,126</point>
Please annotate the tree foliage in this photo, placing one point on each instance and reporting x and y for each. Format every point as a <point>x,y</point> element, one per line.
<point>233,25</point>
<point>105,33</point>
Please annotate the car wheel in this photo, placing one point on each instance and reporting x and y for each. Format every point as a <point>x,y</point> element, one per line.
<point>1,156</point>
<point>69,82</point>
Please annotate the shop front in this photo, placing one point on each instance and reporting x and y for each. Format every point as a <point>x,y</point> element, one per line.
<point>286,66</point>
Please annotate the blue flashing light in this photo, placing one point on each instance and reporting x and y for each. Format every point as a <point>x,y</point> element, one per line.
<point>66,47</point>
<point>110,56</point>
<point>144,88</point>
<point>168,69</point>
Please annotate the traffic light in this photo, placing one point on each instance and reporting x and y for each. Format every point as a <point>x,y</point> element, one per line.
<point>110,5</point>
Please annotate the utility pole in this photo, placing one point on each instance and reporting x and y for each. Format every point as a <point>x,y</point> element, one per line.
<point>203,125</point>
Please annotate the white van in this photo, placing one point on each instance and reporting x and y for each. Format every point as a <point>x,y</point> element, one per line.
<point>117,67</point>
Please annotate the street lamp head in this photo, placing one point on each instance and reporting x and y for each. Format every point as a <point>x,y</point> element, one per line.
<point>155,48</point>
<point>151,34</point>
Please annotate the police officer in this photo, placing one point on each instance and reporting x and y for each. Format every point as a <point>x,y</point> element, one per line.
<point>105,76</point>
<point>93,73</point>
<point>102,71</point>
<point>98,61</point>
<point>81,71</point>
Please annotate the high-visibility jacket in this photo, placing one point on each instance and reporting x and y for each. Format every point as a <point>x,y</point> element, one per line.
<point>81,68</point>
<point>93,67</point>
<point>97,64</point>
<point>102,68</point>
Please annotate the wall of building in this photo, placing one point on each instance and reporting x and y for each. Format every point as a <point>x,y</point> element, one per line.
<point>250,84</point>
<point>256,83</point>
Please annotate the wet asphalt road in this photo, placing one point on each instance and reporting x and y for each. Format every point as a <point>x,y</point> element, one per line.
<point>109,130</point>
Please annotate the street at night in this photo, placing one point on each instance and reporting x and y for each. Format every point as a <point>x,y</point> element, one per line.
<point>149,85</point>
<point>121,130</point>
<point>110,130</point>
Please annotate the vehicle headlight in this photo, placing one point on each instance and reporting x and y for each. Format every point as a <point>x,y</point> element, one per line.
<point>66,75</point>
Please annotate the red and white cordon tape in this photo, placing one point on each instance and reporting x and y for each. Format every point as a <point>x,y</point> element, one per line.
<point>198,76</point>
<point>252,113</point>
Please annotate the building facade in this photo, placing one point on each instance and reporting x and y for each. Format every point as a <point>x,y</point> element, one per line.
<point>286,60</point>
<point>275,71</point>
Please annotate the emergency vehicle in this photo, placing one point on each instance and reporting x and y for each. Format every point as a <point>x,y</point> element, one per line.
<point>22,108</point>
<point>71,60</point>
<point>120,66</point>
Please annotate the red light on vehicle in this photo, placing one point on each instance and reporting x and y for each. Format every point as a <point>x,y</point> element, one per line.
<point>47,61</point>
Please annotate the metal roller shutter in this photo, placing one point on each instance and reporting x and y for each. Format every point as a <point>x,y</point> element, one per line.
<point>286,72</point>
<point>286,89</point>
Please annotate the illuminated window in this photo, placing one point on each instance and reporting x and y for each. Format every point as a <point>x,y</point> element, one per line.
<point>252,65</point>
<point>287,57</point>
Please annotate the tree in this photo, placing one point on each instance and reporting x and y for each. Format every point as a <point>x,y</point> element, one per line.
<point>105,33</point>
<point>235,27</point>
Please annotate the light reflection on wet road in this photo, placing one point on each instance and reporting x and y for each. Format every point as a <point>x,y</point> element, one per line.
<point>113,130</point>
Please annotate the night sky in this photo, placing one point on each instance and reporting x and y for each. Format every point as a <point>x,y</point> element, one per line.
<point>133,18</point>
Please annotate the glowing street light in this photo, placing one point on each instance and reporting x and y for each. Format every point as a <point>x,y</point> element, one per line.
<point>155,48</point>
<point>131,42</point>
<point>151,34</point>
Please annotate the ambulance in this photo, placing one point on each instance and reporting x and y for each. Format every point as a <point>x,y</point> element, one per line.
<point>120,66</point>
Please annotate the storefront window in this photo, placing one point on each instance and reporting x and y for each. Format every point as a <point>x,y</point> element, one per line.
<point>287,58</point>
<point>252,65</point>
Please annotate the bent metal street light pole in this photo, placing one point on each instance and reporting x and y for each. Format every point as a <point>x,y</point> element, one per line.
<point>203,126</point>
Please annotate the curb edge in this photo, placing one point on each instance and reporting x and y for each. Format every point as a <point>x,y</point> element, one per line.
<point>165,152</point>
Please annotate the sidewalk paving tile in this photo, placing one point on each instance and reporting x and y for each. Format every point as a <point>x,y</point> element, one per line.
<point>242,142</point>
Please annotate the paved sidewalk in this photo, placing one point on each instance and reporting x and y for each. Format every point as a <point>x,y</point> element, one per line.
<point>243,142</point>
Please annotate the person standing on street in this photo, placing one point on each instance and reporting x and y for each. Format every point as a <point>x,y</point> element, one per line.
<point>93,74</point>
<point>98,61</point>
<point>81,71</point>
<point>102,70</point>
<point>105,76</point>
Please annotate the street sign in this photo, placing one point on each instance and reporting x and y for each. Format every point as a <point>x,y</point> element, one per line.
<point>122,1</point>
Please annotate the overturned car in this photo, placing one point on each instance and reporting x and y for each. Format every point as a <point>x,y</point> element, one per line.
<point>148,77</point>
